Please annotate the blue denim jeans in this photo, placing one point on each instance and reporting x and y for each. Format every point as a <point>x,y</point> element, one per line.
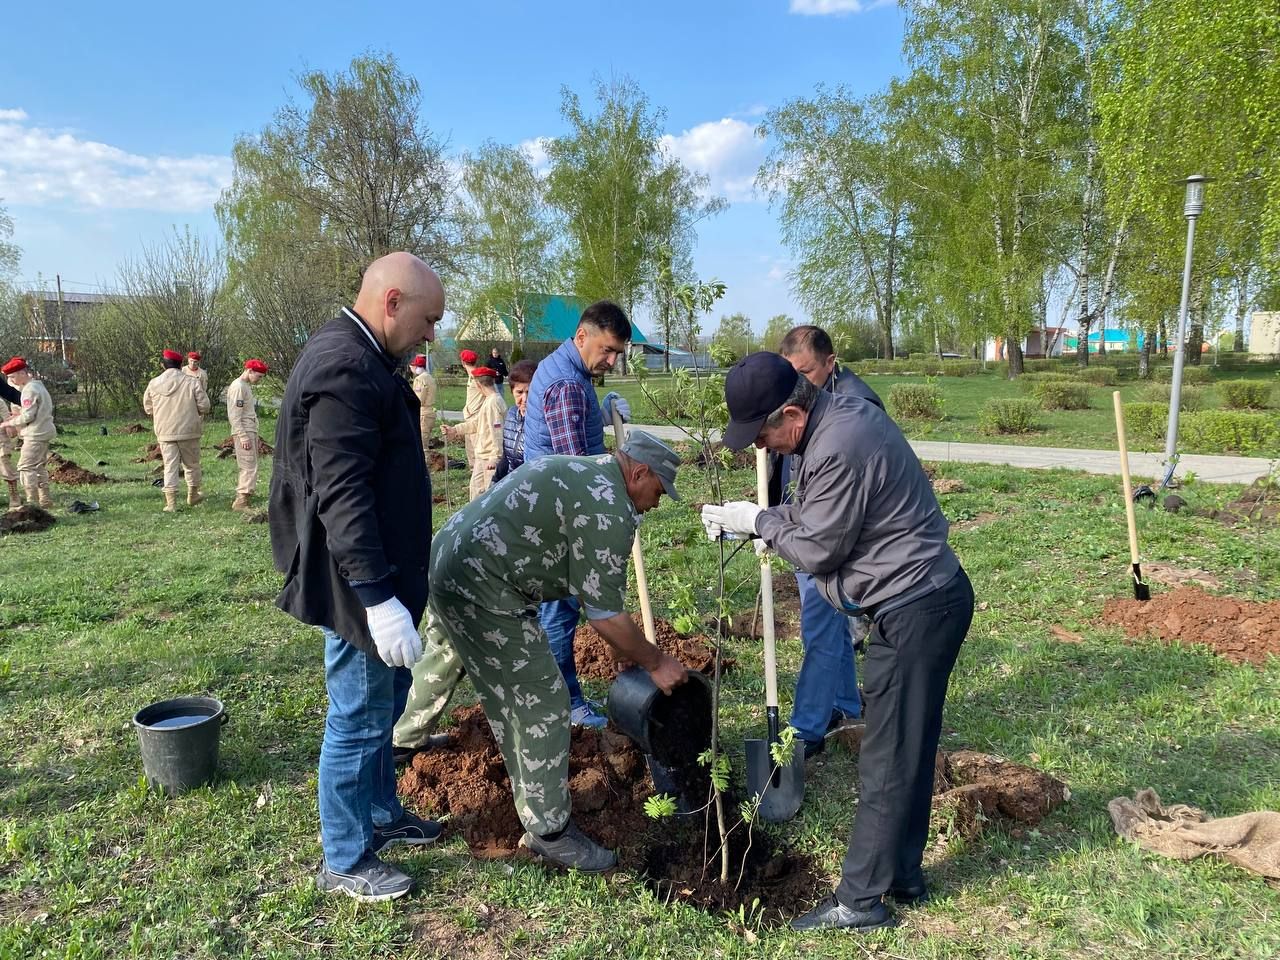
<point>828,677</point>
<point>357,769</point>
<point>559,619</point>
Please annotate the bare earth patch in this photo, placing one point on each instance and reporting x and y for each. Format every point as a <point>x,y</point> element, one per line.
<point>26,519</point>
<point>594,658</point>
<point>1239,630</point>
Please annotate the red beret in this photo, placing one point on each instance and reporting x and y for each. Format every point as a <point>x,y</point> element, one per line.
<point>484,372</point>
<point>468,356</point>
<point>193,355</point>
<point>257,366</point>
<point>172,355</point>
<point>13,366</point>
<point>420,361</point>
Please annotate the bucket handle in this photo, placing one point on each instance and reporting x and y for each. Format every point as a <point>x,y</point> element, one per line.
<point>226,716</point>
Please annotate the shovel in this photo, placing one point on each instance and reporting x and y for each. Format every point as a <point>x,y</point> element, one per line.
<point>1141,591</point>
<point>637,557</point>
<point>780,789</point>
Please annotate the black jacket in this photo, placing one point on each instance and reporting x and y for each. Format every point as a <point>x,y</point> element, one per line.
<point>350,509</point>
<point>843,382</point>
<point>9,392</point>
<point>500,365</point>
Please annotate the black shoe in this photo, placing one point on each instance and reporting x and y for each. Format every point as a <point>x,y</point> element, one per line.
<point>912,895</point>
<point>573,849</point>
<point>433,742</point>
<point>369,881</point>
<point>813,747</point>
<point>409,830</point>
<point>831,914</point>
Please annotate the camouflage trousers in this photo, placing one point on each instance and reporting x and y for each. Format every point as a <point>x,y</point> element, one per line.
<point>520,688</point>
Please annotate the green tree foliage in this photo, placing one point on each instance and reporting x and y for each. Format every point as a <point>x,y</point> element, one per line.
<point>621,198</point>
<point>777,328</point>
<point>511,238</point>
<point>840,174</point>
<point>733,338</point>
<point>334,182</point>
<point>992,93</point>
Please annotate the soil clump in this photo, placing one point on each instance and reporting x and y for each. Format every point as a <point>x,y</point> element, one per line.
<point>972,789</point>
<point>438,462</point>
<point>229,444</point>
<point>26,519</point>
<point>1242,631</point>
<point>132,428</point>
<point>1259,503</point>
<point>594,657</point>
<point>70,473</point>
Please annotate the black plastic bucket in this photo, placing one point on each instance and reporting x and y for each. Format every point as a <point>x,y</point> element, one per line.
<point>673,729</point>
<point>179,740</point>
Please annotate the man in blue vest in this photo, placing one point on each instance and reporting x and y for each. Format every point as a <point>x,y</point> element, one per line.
<point>826,699</point>
<point>563,417</point>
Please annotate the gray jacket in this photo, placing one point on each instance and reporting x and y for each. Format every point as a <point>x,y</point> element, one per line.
<point>864,520</point>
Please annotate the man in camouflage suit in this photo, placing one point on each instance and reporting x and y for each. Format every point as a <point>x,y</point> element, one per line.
<point>559,527</point>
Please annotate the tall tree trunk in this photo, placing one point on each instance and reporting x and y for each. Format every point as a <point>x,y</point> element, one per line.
<point>1144,355</point>
<point>1242,307</point>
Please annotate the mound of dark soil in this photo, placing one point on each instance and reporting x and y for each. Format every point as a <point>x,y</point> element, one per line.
<point>132,428</point>
<point>152,452</point>
<point>609,782</point>
<point>68,472</point>
<point>1259,503</point>
<point>972,789</point>
<point>1240,630</point>
<point>27,519</point>
<point>594,657</point>
<point>264,449</point>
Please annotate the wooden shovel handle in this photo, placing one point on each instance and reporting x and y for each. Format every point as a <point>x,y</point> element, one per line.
<point>637,557</point>
<point>766,591</point>
<point>1128,484</point>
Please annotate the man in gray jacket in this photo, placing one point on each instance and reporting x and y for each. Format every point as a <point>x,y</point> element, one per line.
<point>865,523</point>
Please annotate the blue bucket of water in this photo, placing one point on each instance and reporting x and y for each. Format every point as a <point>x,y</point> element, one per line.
<point>179,740</point>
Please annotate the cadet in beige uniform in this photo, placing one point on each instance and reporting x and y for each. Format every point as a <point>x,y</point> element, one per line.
<point>242,414</point>
<point>7,471</point>
<point>193,369</point>
<point>34,423</point>
<point>484,430</point>
<point>469,360</point>
<point>177,403</point>
<point>424,387</point>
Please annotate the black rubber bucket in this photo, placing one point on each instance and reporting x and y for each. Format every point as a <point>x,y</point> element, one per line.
<point>179,740</point>
<point>674,729</point>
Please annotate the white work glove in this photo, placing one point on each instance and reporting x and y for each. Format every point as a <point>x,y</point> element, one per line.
<point>761,548</point>
<point>615,401</point>
<point>734,520</point>
<point>394,634</point>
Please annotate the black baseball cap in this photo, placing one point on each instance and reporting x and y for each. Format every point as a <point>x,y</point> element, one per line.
<point>757,385</point>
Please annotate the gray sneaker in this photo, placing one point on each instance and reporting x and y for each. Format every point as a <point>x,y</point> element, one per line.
<point>368,881</point>
<point>572,849</point>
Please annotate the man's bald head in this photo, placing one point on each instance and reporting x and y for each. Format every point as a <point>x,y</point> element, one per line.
<point>402,300</point>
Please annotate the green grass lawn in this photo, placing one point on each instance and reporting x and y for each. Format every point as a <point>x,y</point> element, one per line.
<point>109,611</point>
<point>963,398</point>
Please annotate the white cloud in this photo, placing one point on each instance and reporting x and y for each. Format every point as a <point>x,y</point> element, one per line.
<point>839,8</point>
<point>536,151</point>
<point>727,151</point>
<point>46,168</point>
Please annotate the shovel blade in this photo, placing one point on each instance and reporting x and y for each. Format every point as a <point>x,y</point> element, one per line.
<point>780,789</point>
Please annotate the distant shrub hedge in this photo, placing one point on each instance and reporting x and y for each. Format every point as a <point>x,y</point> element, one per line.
<point>915,401</point>
<point>1007,416</point>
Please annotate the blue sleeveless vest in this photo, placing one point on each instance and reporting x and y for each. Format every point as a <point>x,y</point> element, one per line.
<point>564,364</point>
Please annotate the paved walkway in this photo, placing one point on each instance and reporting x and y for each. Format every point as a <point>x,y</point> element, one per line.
<point>1144,466</point>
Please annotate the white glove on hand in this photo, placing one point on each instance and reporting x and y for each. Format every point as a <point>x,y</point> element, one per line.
<point>615,401</point>
<point>736,519</point>
<point>761,548</point>
<point>394,634</point>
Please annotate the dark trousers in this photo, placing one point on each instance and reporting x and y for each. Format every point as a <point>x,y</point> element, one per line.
<point>908,663</point>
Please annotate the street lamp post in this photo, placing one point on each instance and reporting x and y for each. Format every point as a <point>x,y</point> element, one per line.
<point>1191,210</point>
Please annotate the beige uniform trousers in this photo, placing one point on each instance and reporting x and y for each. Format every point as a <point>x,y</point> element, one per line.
<point>188,453</point>
<point>247,461</point>
<point>428,425</point>
<point>6,457</point>
<point>33,464</point>
<point>482,476</point>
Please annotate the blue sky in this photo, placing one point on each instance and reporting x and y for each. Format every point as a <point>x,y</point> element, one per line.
<point>120,126</point>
